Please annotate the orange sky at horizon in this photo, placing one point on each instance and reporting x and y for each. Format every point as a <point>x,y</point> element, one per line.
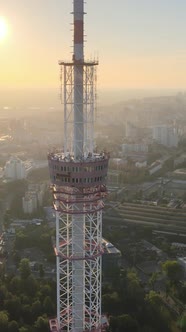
<point>29,54</point>
<point>128,72</point>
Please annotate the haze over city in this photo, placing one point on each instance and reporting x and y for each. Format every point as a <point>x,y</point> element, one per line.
<point>140,45</point>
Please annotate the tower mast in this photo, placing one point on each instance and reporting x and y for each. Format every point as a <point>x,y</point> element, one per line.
<point>78,177</point>
<point>78,58</point>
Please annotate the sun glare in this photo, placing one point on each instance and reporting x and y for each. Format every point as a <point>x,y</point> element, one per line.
<point>3,28</point>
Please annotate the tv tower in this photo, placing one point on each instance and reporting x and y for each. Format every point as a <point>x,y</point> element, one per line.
<point>78,176</point>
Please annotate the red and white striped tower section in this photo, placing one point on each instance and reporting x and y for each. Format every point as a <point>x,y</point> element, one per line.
<point>78,177</point>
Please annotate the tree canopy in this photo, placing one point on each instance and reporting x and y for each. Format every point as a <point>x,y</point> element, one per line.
<point>173,270</point>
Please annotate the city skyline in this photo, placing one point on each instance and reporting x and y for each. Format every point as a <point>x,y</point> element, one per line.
<point>139,44</point>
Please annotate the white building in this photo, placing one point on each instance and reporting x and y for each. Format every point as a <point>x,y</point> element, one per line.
<point>27,203</point>
<point>33,198</point>
<point>30,202</point>
<point>165,135</point>
<point>155,167</point>
<point>135,147</point>
<point>141,164</point>
<point>14,169</point>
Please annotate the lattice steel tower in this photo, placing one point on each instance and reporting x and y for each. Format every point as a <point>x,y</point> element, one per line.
<point>78,176</point>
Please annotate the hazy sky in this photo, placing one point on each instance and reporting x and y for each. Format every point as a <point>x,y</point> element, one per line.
<point>140,43</point>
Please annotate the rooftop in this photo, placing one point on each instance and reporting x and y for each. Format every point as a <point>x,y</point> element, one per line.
<point>109,247</point>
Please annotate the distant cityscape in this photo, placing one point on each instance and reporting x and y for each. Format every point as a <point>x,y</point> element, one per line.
<point>147,135</point>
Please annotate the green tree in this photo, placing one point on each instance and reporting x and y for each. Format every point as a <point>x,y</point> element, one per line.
<point>111,303</point>
<point>153,279</point>
<point>182,323</point>
<point>36,309</point>
<point>147,329</point>
<point>27,314</point>
<point>23,329</point>
<point>41,324</point>
<point>13,307</point>
<point>132,277</point>
<point>21,240</point>
<point>48,306</point>
<point>7,219</point>
<point>13,326</point>
<point>173,270</point>
<point>31,285</point>
<point>15,285</point>
<point>25,299</point>
<point>153,298</point>
<point>16,257</point>
<point>24,268</point>
<point>134,295</point>
<point>157,315</point>
<point>127,323</point>
<point>123,323</point>
<point>3,295</point>
<point>3,321</point>
<point>45,290</point>
<point>41,271</point>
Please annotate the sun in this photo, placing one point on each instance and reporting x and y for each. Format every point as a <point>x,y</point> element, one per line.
<point>3,28</point>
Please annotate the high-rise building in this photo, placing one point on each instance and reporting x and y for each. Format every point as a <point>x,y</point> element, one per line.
<point>135,147</point>
<point>165,135</point>
<point>14,169</point>
<point>29,202</point>
<point>32,200</point>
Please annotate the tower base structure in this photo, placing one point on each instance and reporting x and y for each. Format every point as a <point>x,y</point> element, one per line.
<point>54,327</point>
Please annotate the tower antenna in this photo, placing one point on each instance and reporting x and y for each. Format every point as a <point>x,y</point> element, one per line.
<point>78,177</point>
